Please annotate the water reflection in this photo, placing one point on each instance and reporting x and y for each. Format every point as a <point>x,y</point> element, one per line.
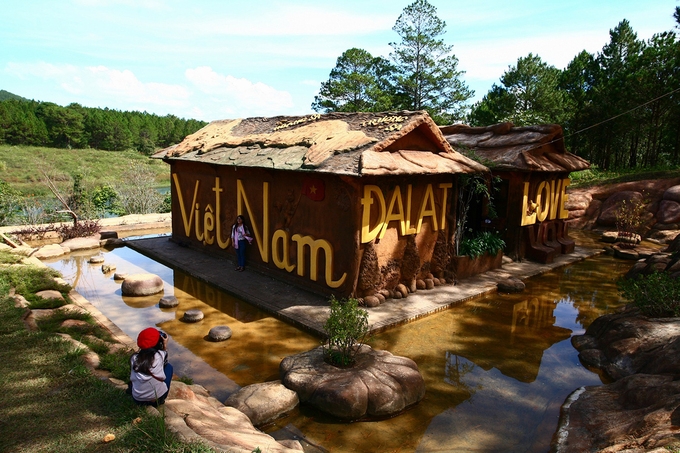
<point>497,369</point>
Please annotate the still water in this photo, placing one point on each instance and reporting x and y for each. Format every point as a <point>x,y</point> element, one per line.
<point>496,369</point>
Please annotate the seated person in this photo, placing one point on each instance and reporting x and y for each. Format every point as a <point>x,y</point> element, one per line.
<point>150,372</point>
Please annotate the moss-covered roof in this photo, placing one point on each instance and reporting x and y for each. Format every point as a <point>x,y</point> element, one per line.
<point>505,147</point>
<point>388,143</point>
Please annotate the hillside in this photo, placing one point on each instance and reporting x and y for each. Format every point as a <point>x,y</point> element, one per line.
<point>6,95</point>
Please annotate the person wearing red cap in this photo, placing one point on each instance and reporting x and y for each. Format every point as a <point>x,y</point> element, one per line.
<point>150,372</point>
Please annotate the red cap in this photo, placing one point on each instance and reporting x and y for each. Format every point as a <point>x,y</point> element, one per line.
<point>148,338</point>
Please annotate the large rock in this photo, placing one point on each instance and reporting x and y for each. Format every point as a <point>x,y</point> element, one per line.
<point>672,193</point>
<point>264,402</point>
<point>669,212</point>
<point>626,343</point>
<point>194,415</point>
<point>607,215</point>
<point>511,285</point>
<point>638,413</point>
<point>51,251</point>
<point>378,385</point>
<point>88,243</point>
<point>142,285</point>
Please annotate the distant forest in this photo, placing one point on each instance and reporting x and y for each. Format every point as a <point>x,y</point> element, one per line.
<point>27,122</point>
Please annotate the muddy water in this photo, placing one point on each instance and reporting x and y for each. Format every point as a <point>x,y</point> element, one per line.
<point>497,369</point>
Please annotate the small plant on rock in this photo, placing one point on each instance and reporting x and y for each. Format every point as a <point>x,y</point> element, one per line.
<point>346,329</point>
<point>657,295</point>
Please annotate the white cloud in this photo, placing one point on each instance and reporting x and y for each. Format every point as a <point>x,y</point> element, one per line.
<point>230,95</point>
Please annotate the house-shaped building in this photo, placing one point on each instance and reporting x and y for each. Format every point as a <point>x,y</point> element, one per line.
<point>529,200</point>
<point>341,203</point>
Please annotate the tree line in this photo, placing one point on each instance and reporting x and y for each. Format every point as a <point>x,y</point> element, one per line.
<point>25,122</point>
<point>619,107</point>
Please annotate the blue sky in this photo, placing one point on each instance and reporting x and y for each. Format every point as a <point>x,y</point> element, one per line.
<point>227,59</point>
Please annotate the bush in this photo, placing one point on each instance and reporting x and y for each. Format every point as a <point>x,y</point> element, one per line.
<point>485,242</point>
<point>657,295</point>
<point>81,229</point>
<point>346,329</point>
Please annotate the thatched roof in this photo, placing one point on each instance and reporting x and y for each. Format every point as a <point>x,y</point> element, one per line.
<point>505,147</point>
<point>389,143</point>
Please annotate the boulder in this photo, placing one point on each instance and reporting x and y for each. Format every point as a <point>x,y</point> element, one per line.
<point>168,302</point>
<point>638,413</point>
<point>672,193</point>
<point>371,301</point>
<point>264,402</point>
<point>402,289</point>
<point>610,237</point>
<point>193,315</point>
<point>429,283</point>
<point>50,294</point>
<point>511,285</point>
<point>88,243</point>
<point>612,204</point>
<point>669,212</point>
<point>142,285</point>
<point>630,343</point>
<point>379,384</point>
<point>578,202</point>
<point>219,333</point>
<point>192,414</point>
<point>51,251</point>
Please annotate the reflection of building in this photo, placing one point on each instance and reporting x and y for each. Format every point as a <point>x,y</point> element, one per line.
<point>342,203</point>
<point>534,168</point>
<point>513,336</point>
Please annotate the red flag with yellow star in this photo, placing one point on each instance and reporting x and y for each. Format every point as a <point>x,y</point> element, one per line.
<point>314,189</point>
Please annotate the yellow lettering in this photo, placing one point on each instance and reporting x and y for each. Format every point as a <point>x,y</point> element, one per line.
<point>554,198</point>
<point>445,191</point>
<point>180,198</point>
<point>199,234</point>
<point>280,255</point>
<point>314,246</point>
<point>409,230</point>
<point>564,197</point>
<point>391,215</point>
<point>368,234</point>
<point>528,210</point>
<point>208,225</point>
<point>241,198</point>
<point>424,212</point>
<point>218,215</point>
<point>541,206</point>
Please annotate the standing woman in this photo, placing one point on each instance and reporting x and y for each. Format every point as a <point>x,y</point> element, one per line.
<point>240,237</point>
<point>150,372</point>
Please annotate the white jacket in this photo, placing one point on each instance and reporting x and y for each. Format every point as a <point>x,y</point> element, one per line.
<point>144,386</point>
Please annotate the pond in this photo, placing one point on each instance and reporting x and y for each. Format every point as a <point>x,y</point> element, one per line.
<point>496,369</point>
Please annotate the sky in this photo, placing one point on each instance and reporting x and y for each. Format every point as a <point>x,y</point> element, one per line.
<point>222,59</point>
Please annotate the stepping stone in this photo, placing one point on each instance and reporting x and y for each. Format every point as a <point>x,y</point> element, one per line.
<point>219,333</point>
<point>106,268</point>
<point>142,285</point>
<point>511,285</point>
<point>120,275</point>
<point>96,260</point>
<point>194,315</point>
<point>168,302</point>
<point>50,294</point>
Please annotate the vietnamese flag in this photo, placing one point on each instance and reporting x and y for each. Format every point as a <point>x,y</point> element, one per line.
<point>314,189</point>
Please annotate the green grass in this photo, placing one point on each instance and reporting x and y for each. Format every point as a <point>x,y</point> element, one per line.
<point>49,402</point>
<point>21,166</point>
<point>594,176</point>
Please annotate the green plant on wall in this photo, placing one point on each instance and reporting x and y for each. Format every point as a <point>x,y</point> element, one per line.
<point>346,329</point>
<point>471,187</point>
<point>486,242</point>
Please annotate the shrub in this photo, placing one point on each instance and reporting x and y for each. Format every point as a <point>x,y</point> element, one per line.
<point>657,295</point>
<point>485,242</point>
<point>346,329</point>
<point>80,229</point>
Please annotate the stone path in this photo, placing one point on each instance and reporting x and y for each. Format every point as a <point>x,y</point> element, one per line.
<point>309,311</point>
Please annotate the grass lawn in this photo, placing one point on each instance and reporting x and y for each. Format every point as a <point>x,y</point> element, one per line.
<point>21,166</point>
<point>49,402</point>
